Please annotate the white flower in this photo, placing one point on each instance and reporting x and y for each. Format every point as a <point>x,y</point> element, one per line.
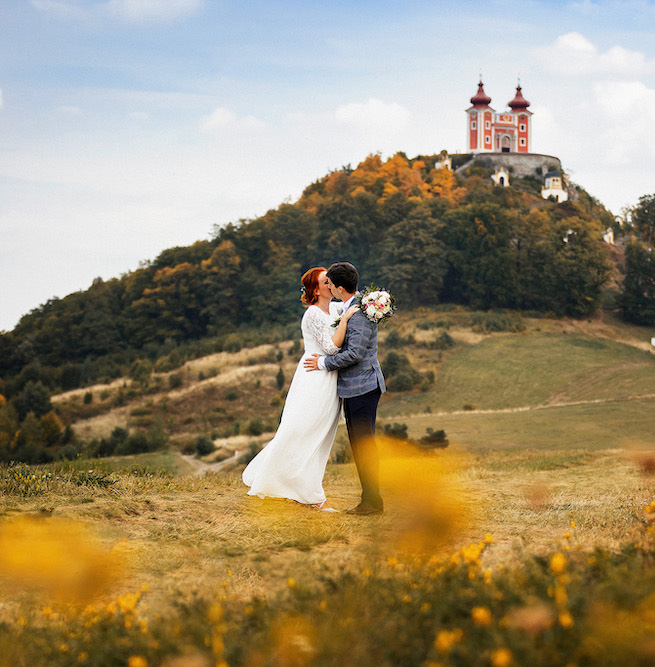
<point>370,310</point>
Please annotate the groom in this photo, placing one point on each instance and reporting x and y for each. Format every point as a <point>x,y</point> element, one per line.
<point>360,383</point>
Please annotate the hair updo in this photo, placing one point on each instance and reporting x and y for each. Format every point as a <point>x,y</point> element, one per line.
<point>310,285</point>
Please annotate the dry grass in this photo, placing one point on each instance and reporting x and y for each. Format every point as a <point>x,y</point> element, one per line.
<point>188,532</point>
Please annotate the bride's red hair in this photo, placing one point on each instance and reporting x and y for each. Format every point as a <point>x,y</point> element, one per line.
<point>310,284</point>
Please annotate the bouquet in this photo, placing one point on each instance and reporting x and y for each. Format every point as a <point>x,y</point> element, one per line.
<point>377,304</point>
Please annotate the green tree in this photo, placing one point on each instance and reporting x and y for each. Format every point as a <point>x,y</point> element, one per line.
<point>637,298</point>
<point>34,398</point>
<point>643,218</point>
<point>412,259</point>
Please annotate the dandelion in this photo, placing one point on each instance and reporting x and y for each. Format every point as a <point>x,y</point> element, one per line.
<point>488,538</point>
<point>291,582</point>
<point>501,657</point>
<point>481,616</point>
<point>572,524</point>
<point>392,562</point>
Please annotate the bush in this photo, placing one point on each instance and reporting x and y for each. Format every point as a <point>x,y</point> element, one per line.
<point>497,321</point>
<point>444,341</point>
<point>434,438</point>
<point>204,445</point>
<point>88,398</point>
<point>67,453</point>
<point>253,449</point>
<point>396,431</point>
<point>176,380</point>
<point>255,427</point>
<point>403,381</point>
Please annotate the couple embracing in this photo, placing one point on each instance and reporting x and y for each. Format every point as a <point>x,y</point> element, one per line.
<point>339,363</point>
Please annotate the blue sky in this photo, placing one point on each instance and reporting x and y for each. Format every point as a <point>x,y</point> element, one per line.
<point>130,126</point>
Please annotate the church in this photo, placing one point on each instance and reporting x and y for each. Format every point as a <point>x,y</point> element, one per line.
<point>502,141</point>
<point>506,132</point>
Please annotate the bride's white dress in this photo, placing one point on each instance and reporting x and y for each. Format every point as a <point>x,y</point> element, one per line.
<point>292,465</point>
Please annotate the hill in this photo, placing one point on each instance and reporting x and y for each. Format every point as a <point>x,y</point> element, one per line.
<point>427,234</point>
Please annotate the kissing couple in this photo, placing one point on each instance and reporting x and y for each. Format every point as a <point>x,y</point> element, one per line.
<point>339,363</point>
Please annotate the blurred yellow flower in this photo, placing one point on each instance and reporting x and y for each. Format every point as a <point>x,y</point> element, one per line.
<point>291,582</point>
<point>501,657</point>
<point>137,661</point>
<point>565,619</point>
<point>481,616</point>
<point>488,538</point>
<point>55,556</point>
<point>447,638</point>
<point>557,563</point>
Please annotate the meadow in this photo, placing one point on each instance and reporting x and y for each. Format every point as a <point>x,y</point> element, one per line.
<point>527,541</point>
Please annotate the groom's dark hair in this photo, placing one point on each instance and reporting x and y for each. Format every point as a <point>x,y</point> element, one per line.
<point>344,274</point>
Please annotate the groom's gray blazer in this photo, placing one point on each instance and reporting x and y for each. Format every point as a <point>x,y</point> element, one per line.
<point>357,362</point>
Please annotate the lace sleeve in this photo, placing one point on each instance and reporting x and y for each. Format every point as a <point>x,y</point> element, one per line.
<point>319,327</point>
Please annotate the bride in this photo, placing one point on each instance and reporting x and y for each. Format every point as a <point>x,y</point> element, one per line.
<point>292,465</point>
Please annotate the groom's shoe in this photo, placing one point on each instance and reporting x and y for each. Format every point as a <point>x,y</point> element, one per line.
<point>364,509</point>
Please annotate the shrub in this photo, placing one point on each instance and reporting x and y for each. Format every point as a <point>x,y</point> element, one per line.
<point>176,380</point>
<point>396,431</point>
<point>443,341</point>
<point>232,343</point>
<point>67,453</point>
<point>497,321</point>
<point>204,445</point>
<point>255,427</point>
<point>88,397</point>
<point>279,378</point>
<point>434,438</point>
<point>403,381</point>
<point>253,449</point>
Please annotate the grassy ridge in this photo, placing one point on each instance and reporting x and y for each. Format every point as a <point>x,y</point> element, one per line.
<point>517,370</point>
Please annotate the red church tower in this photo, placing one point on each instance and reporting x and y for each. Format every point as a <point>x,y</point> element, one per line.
<point>491,132</point>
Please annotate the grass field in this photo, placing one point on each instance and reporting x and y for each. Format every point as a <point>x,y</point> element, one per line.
<point>527,541</point>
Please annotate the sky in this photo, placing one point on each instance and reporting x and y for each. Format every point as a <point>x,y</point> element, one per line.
<point>132,126</point>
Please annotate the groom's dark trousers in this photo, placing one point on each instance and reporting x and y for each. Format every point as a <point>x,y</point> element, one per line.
<point>360,413</point>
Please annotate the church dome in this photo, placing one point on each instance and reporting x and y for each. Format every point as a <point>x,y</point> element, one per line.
<point>480,99</point>
<point>519,102</point>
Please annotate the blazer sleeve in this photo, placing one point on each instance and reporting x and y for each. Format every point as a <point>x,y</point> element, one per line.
<point>356,346</point>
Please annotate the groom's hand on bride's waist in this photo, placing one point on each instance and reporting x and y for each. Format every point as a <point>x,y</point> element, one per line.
<point>311,363</point>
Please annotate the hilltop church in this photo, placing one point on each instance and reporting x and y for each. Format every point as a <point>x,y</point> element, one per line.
<point>506,132</point>
<point>502,141</point>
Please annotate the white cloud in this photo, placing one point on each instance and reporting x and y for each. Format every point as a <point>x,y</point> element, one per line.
<point>134,11</point>
<point>626,131</point>
<point>69,111</point>
<point>223,119</point>
<point>153,10</point>
<point>573,54</point>
<point>374,116</point>
<point>65,9</point>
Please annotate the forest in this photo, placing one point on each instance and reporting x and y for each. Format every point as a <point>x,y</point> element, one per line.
<point>409,225</point>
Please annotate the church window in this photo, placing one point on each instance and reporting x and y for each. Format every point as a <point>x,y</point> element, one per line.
<point>522,127</point>
<point>487,140</point>
<point>487,124</point>
<point>474,125</point>
<point>522,142</point>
